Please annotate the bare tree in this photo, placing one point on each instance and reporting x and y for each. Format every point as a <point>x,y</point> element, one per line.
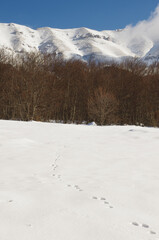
<point>102,107</point>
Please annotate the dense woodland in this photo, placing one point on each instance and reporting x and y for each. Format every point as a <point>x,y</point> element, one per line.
<point>45,87</point>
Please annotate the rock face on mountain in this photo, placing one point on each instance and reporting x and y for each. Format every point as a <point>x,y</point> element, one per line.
<point>78,43</point>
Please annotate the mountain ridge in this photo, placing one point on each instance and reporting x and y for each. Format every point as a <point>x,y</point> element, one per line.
<point>79,43</point>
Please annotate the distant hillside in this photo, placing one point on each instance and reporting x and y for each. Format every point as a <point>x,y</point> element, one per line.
<point>78,43</point>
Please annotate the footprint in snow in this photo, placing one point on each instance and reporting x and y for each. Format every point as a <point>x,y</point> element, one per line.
<point>107,203</point>
<point>103,199</point>
<point>76,187</point>
<point>135,224</point>
<point>28,225</point>
<point>152,232</point>
<point>143,225</point>
<point>95,198</point>
<point>57,176</point>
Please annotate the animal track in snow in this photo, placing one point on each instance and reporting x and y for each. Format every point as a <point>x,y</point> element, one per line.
<point>95,198</point>
<point>135,224</point>
<point>75,186</point>
<point>143,225</point>
<point>28,225</point>
<point>103,199</point>
<point>54,165</point>
<point>57,176</point>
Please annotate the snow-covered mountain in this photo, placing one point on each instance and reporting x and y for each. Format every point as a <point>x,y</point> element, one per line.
<point>79,43</point>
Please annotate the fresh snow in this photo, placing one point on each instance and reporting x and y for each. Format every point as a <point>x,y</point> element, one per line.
<point>79,43</point>
<point>78,182</point>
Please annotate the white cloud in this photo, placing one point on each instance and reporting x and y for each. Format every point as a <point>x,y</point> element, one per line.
<point>148,28</point>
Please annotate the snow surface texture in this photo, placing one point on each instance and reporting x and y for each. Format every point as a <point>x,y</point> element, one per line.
<point>69,182</point>
<point>140,41</point>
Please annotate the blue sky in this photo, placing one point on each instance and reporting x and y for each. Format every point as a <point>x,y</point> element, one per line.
<point>95,14</point>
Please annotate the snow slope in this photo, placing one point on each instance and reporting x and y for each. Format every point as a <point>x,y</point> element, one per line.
<point>79,43</point>
<point>69,182</point>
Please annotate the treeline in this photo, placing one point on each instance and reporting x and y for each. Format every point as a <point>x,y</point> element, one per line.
<point>46,87</point>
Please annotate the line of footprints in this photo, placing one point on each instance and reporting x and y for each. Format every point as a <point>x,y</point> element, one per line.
<point>54,165</point>
<point>76,187</point>
<point>103,200</point>
<point>143,225</point>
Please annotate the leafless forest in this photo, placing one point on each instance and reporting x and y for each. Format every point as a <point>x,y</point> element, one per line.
<point>45,87</point>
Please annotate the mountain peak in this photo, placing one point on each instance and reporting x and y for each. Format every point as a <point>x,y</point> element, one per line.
<point>82,43</point>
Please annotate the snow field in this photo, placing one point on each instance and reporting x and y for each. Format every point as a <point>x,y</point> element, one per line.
<point>78,182</point>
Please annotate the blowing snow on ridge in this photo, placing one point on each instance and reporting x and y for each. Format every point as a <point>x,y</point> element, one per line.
<point>143,39</point>
<point>140,41</point>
